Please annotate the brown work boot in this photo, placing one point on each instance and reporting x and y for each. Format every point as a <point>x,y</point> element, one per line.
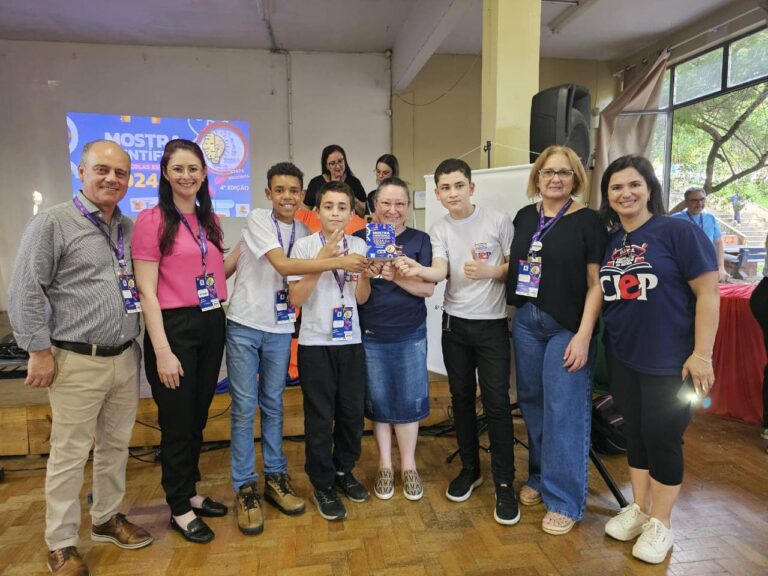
<point>67,562</point>
<point>249,517</point>
<point>279,492</point>
<point>121,533</point>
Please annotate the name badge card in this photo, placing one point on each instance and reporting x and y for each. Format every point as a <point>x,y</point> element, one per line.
<point>380,241</point>
<point>206,292</point>
<point>341,324</point>
<point>528,277</point>
<point>482,251</point>
<point>130,293</point>
<point>284,312</point>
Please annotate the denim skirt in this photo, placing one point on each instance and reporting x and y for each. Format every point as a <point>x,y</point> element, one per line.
<point>397,385</point>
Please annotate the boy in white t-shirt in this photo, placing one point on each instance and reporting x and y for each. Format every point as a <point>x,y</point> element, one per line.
<point>259,327</point>
<point>470,246</point>
<point>331,357</point>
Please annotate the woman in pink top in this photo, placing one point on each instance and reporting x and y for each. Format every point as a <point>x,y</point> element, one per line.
<point>179,265</point>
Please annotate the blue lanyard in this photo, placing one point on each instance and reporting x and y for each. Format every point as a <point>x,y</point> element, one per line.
<point>340,279</point>
<point>200,238</point>
<point>280,236</point>
<point>546,226</point>
<point>700,223</point>
<point>119,250</point>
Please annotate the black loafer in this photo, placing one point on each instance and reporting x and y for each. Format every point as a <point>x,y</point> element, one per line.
<point>211,509</point>
<point>197,531</point>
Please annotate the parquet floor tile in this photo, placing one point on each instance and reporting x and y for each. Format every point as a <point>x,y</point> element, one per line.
<point>721,522</point>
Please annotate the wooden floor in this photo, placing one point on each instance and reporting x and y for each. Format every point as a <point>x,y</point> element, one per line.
<point>721,522</point>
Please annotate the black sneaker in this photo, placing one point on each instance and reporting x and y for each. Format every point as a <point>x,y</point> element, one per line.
<point>351,488</point>
<point>329,505</point>
<point>460,488</point>
<point>507,511</point>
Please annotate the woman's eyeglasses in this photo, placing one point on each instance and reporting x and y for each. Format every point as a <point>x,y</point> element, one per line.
<point>548,174</point>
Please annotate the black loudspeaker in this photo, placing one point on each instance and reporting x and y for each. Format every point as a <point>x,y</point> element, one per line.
<point>561,115</point>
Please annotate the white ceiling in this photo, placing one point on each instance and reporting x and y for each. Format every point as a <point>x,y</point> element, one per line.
<point>606,30</point>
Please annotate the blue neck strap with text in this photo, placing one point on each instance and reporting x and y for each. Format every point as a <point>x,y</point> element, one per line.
<point>119,250</point>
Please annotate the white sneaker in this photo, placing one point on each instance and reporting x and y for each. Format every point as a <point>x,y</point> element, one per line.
<point>627,524</point>
<point>654,543</point>
<point>764,434</point>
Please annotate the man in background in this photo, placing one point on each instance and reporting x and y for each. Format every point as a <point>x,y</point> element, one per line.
<point>695,202</point>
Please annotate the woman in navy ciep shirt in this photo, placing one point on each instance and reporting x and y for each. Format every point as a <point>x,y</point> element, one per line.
<point>660,308</point>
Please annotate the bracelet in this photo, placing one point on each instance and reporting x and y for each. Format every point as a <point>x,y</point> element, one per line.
<point>161,347</point>
<point>707,360</point>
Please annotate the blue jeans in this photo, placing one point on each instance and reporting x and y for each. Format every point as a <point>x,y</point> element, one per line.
<point>557,408</point>
<point>257,364</point>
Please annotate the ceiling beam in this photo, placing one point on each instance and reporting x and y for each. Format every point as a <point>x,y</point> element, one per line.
<point>427,25</point>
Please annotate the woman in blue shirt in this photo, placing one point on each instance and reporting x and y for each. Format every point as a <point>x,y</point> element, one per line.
<point>393,321</point>
<point>660,308</point>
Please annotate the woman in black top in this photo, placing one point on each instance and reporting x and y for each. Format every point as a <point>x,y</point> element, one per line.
<point>333,163</point>
<point>553,280</point>
<point>759,305</point>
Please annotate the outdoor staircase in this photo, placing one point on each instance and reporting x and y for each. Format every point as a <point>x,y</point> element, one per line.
<point>753,227</point>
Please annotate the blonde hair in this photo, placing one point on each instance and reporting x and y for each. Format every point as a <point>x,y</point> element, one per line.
<point>579,175</point>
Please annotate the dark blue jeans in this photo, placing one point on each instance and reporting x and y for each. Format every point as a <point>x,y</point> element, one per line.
<point>557,408</point>
<point>480,346</point>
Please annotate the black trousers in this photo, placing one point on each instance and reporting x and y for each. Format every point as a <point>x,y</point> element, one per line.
<point>197,340</point>
<point>333,386</point>
<point>759,305</point>
<point>656,411</point>
<point>482,346</point>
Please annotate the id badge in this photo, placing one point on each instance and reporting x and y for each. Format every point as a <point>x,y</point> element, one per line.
<point>341,324</point>
<point>130,293</point>
<point>284,312</point>
<point>528,277</point>
<point>206,292</point>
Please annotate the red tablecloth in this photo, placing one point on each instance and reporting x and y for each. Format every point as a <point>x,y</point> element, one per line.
<point>739,358</point>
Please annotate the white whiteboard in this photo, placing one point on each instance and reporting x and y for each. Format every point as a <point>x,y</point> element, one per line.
<point>497,188</point>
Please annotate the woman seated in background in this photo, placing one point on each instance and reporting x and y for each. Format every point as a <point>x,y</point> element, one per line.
<point>553,281</point>
<point>393,323</point>
<point>387,167</point>
<point>333,165</point>
<point>661,309</point>
<point>178,260</point>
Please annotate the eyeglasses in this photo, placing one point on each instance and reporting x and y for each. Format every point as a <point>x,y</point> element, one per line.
<point>383,173</point>
<point>399,206</point>
<point>333,163</point>
<point>548,174</point>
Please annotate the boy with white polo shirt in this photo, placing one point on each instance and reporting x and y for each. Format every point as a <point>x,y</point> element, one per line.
<point>470,247</point>
<point>331,357</point>
<point>260,323</point>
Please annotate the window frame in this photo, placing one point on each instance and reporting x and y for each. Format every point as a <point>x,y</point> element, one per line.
<point>671,107</point>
